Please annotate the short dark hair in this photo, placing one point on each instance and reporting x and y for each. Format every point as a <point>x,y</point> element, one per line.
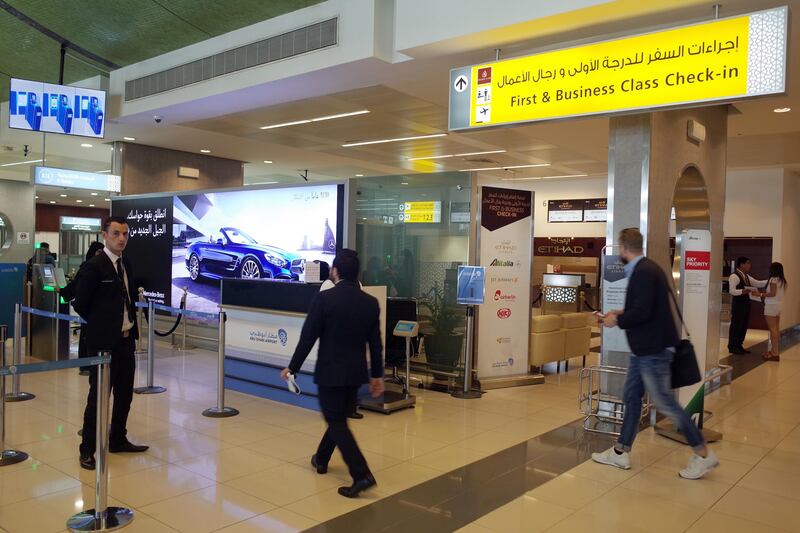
<point>110,220</point>
<point>632,239</point>
<point>44,245</point>
<point>347,264</point>
<point>742,260</point>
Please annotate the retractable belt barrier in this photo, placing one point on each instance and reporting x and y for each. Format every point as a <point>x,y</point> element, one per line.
<point>101,517</point>
<point>197,315</point>
<point>50,314</point>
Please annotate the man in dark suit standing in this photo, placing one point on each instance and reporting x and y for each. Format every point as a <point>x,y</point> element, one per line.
<point>105,300</point>
<point>344,319</point>
<point>650,328</point>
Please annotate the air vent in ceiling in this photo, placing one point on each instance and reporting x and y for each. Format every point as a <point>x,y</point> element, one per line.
<point>480,160</point>
<point>286,45</point>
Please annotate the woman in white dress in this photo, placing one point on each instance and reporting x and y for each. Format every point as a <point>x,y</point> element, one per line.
<point>776,286</point>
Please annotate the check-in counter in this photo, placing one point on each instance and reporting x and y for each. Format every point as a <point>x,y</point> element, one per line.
<point>264,320</point>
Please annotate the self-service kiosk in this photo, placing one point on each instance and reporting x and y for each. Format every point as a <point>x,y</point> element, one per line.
<point>48,337</point>
<point>392,400</point>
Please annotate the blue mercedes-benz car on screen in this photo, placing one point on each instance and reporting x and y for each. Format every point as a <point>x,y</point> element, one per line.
<point>237,255</point>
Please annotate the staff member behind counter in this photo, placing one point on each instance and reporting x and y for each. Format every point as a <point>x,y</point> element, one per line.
<point>740,285</point>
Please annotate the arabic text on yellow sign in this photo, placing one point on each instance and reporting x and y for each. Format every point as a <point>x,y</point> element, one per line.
<point>421,212</point>
<point>696,63</point>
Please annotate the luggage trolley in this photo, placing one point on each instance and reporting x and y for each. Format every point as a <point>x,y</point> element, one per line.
<point>392,400</point>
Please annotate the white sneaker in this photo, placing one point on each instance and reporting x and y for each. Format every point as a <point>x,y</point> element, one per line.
<point>611,457</point>
<point>699,466</point>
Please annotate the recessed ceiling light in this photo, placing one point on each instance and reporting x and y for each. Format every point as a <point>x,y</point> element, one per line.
<point>129,138</point>
<point>63,195</point>
<point>505,168</point>
<point>91,205</point>
<point>267,161</point>
<point>317,119</point>
<point>79,201</point>
<point>546,177</point>
<point>397,139</point>
<point>457,155</point>
<point>359,175</point>
<point>94,194</point>
<point>37,197</point>
<point>365,218</point>
<point>205,151</point>
<point>52,201</point>
<point>86,145</point>
<point>782,109</point>
<point>107,199</point>
<point>22,163</point>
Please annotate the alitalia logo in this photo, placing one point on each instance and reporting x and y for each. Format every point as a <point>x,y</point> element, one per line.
<point>501,263</point>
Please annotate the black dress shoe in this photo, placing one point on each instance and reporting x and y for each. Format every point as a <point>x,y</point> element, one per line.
<point>321,469</point>
<point>357,487</point>
<point>737,351</point>
<point>745,350</point>
<point>87,462</point>
<point>127,447</point>
<point>355,415</point>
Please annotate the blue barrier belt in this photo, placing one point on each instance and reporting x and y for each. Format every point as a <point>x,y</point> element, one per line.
<point>32,368</point>
<point>176,311</point>
<point>50,314</point>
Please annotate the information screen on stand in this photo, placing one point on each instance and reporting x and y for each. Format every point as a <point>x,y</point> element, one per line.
<point>471,283</point>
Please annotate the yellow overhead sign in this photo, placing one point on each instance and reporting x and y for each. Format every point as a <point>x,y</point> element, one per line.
<point>420,212</point>
<point>721,60</point>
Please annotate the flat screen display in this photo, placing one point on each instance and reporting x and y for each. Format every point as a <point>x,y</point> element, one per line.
<point>194,240</point>
<point>38,106</point>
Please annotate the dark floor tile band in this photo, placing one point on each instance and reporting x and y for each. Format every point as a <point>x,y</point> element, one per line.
<point>462,496</point>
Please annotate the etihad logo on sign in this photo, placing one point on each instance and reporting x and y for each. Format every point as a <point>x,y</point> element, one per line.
<point>698,261</point>
<point>499,296</point>
<point>504,313</point>
<point>501,263</point>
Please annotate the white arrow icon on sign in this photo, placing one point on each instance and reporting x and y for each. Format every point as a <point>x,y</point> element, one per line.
<point>461,83</point>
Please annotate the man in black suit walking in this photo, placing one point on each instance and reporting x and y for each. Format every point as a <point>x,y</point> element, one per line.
<point>650,328</point>
<point>344,319</point>
<point>105,300</point>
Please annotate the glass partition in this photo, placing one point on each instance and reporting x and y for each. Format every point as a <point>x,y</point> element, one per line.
<point>412,232</point>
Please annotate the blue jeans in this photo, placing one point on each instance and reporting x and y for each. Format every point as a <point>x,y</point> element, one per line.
<point>652,373</point>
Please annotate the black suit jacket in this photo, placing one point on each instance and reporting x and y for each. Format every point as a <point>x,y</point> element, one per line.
<point>647,319</point>
<point>344,319</point>
<point>100,301</point>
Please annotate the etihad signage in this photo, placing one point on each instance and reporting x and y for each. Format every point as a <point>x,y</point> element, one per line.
<point>723,60</point>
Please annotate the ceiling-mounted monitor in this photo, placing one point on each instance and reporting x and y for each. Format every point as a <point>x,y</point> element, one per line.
<point>38,106</point>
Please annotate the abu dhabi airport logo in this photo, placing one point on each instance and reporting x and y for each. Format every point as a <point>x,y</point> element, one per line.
<point>283,336</point>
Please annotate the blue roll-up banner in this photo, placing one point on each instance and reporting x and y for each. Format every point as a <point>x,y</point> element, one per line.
<point>12,279</point>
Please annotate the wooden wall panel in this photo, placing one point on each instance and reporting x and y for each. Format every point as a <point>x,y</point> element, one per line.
<point>48,216</point>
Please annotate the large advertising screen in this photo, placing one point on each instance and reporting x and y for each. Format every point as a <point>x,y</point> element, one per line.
<point>38,106</point>
<point>193,240</point>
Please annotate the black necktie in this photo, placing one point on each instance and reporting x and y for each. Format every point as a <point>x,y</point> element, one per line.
<point>121,274</point>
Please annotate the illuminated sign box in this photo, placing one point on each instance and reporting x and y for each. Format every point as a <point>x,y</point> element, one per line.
<point>420,212</point>
<point>81,224</point>
<point>61,177</point>
<point>38,106</point>
<point>724,60</point>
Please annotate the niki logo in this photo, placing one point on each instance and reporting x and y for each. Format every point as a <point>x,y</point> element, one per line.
<point>283,337</point>
<point>501,263</point>
<point>504,313</point>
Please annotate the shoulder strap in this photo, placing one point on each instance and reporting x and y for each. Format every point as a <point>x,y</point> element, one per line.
<point>678,310</point>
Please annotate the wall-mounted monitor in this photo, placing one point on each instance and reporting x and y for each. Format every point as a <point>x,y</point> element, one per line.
<point>38,106</point>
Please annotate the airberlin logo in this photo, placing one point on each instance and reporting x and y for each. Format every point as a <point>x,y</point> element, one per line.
<point>500,296</point>
<point>698,261</point>
<point>504,313</point>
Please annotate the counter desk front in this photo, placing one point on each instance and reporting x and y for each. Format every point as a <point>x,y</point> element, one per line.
<point>264,320</point>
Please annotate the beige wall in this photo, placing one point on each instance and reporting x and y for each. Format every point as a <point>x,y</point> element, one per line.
<point>147,169</point>
<point>788,253</point>
<point>752,201</point>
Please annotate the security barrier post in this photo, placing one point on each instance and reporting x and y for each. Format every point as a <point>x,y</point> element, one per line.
<point>183,347</point>
<point>28,323</point>
<point>220,411</point>
<point>16,395</point>
<point>7,457</point>
<point>151,349</point>
<point>102,517</point>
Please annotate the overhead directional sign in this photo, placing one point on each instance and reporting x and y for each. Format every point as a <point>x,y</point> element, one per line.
<point>723,60</point>
<point>461,84</point>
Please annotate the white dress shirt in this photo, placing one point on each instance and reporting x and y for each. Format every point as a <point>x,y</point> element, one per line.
<point>127,325</point>
<point>733,281</point>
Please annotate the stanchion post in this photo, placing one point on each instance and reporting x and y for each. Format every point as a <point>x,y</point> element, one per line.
<point>183,347</point>
<point>466,392</point>
<point>7,457</point>
<point>16,395</point>
<point>102,517</point>
<point>57,298</point>
<point>151,349</point>
<point>139,320</point>
<point>28,323</point>
<point>220,411</point>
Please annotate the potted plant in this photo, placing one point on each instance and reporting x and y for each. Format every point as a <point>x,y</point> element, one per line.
<point>442,344</point>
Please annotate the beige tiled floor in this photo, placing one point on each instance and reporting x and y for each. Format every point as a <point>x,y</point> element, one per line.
<point>250,472</point>
<point>756,488</point>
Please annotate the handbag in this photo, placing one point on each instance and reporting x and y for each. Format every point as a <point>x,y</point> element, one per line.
<point>685,370</point>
